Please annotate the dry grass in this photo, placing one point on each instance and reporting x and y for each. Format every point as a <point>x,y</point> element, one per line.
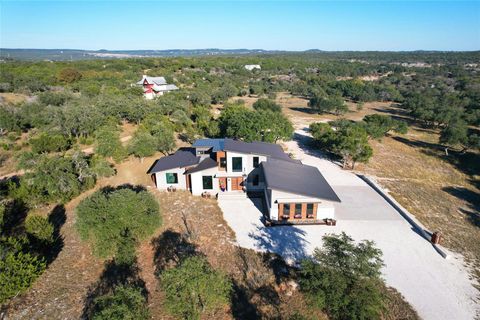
<point>12,98</point>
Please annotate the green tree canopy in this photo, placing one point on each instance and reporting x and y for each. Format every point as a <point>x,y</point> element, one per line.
<point>105,216</point>
<point>267,104</point>
<point>194,288</point>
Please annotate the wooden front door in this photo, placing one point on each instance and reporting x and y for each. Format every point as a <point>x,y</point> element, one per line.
<point>237,183</point>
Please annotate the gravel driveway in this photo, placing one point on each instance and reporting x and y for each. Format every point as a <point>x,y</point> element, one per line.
<point>437,288</point>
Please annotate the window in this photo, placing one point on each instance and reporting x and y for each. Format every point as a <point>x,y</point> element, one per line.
<point>298,211</point>
<point>255,162</point>
<point>237,164</point>
<point>207,182</point>
<point>286,210</point>
<point>310,211</point>
<point>256,180</point>
<point>223,162</point>
<point>171,177</point>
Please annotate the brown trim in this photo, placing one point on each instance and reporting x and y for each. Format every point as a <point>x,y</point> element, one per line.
<point>221,154</point>
<point>188,181</point>
<point>291,215</point>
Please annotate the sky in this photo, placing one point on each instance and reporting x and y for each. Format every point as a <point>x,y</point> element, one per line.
<point>271,25</point>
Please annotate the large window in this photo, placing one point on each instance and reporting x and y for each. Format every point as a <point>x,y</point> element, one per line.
<point>171,177</point>
<point>286,210</point>
<point>255,162</point>
<point>237,164</point>
<point>298,211</point>
<point>207,182</point>
<point>310,210</point>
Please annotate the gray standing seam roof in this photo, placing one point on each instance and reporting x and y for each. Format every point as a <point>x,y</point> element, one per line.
<point>297,179</point>
<point>206,163</point>
<point>262,148</point>
<point>182,158</point>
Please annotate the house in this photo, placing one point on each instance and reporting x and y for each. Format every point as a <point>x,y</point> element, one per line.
<point>293,192</point>
<point>251,67</point>
<point>155,86</point>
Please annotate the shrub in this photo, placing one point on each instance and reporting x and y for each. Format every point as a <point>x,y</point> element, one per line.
<point>18,270</point>
<point>39,227</point>
<point>104,217</point>
<point>48,142</point>
<point>194,287</point>
<point>69,75</point>
<point>126,302</point>
<point>266,104</point>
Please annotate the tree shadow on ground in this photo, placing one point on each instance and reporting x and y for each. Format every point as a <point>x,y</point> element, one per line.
<point>466,162</point>
<point>113,275</point>
<point>472,198</point>
<point>14,218</point>
<point>254,293</point>
<point>306,110</point>
<point>170,249</point>
<point>57,218</point>
<point>287,241</point>
<point>110,189</point>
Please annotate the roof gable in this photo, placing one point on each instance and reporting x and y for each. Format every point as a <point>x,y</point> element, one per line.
<point>184,157</point>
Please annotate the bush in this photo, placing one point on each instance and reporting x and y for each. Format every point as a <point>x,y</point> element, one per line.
<point>18,270</point>
<point>69,75</point>
<point>104,217</point>
<point>194,288</point>
<point>48,142</point>
<point>266,104</point>
<point>39,227</point>
<point>126,302</point>
<point>53,99</point>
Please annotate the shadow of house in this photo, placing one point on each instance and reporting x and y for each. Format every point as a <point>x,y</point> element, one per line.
<point>170,249</point>
<point>113,275</point>
<point>472,198</point>
<point>287,241</point>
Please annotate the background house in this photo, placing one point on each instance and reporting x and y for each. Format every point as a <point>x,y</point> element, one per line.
<point>155,86</point>
<point>251,67</point>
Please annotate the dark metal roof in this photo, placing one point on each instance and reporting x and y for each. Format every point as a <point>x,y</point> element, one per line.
<point>184,157</point>
<point>216,144</point>
<point>297,179</point>
<point>261,148</point>
<point>205,164</point>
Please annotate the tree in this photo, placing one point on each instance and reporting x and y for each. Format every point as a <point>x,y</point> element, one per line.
<point>455,133</point>
<point>18,270</point>
<point>266,104</point>
<point>40,228</point>
<point>49,142</point>
<point>142,145</point>
<point>378,126</point>
<point>343,278</point>
<point>105,216</point>
<point>108,143</point>
<point>193,288</point>
<point>334,104</point>
<point>125,302</point>
<point>69,75</point>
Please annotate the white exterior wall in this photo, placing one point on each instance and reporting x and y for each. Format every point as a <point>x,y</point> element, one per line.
<point>197,181</point>
<point>247,162</point>
<point>325,209</point>
<point>162,179</point>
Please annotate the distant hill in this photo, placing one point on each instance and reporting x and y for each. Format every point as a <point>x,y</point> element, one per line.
<point>72,54</point>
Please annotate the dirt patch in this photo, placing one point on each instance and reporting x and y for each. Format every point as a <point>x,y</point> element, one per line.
<point>12,98</point>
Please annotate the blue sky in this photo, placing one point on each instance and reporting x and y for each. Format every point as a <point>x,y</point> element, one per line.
<point>282,25</point>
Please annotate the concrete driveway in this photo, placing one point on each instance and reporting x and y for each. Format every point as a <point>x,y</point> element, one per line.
<point>437,288</point>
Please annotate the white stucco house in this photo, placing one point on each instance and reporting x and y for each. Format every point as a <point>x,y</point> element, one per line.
<point>155,86</point>
<point>293,192</point>
<point>251,67</point>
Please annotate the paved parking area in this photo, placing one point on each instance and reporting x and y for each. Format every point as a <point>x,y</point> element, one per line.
<point>438,288</point>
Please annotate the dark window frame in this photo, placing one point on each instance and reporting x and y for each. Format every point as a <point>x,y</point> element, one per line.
<point>286,211</point>
<point>235,164</point>
<point>223,162</point>
<point>209,185</point>
<point>256,162</point>
<point>310,213</point>
<point>297,213</point>
<point>174,175</point>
